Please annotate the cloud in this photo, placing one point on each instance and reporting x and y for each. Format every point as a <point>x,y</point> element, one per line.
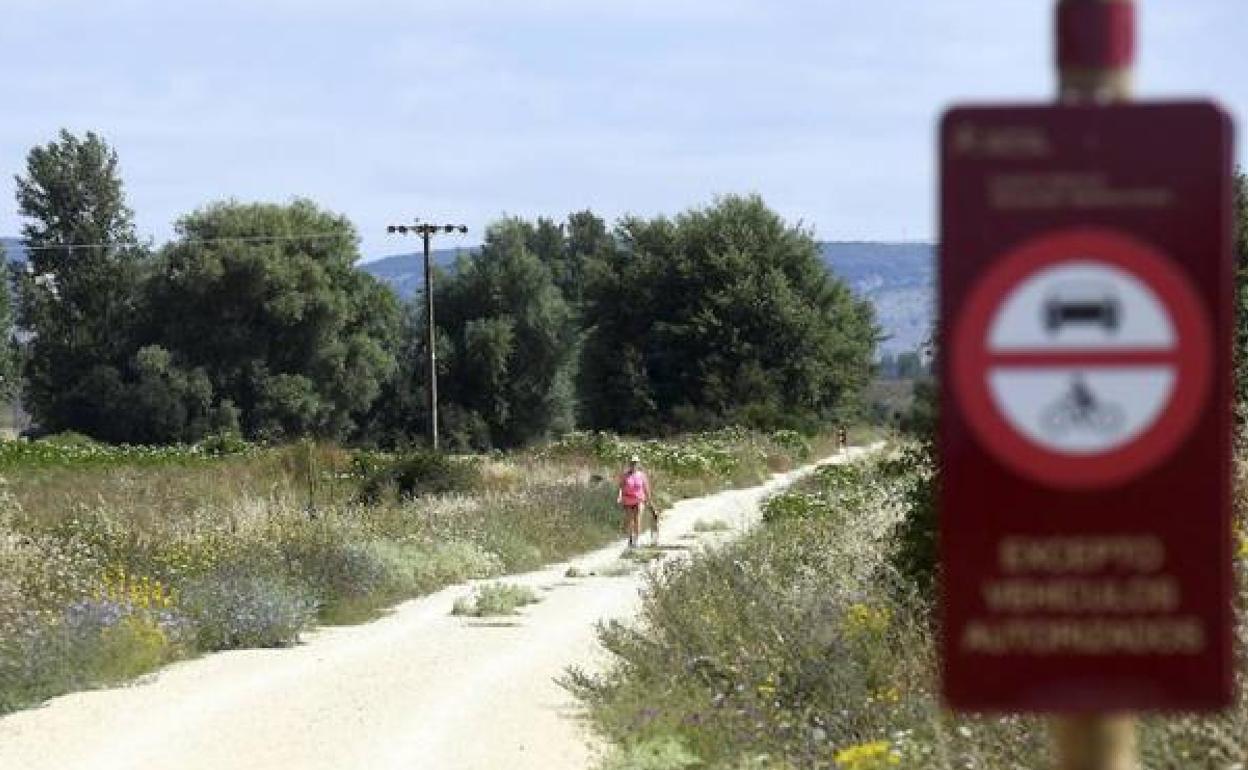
<point>465,109</point>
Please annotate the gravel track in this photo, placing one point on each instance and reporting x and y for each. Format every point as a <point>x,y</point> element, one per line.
<point>418,689</point>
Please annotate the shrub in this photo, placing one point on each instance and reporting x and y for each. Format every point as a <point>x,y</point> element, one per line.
<point>225,443</point>
<point>916,555</point>
<point>420,474</point>
<point>796,505</point>
<point>664,752</point>
<point>335,567</point>
<point>389,570</point>
<point>453,562</point>
<point>90,642</point>
<point>135,645</point>
<point>793,442</point>
<point>495,599</point>
<point>234,610</point>
<point>71,440</point>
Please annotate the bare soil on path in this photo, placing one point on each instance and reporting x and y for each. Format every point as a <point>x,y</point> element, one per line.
<point>419,689</point>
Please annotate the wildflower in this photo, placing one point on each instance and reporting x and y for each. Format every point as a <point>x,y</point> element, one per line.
<point>865,620</point>
<point>868,756</point>
<point>767,687</point>
<point>891,695</point>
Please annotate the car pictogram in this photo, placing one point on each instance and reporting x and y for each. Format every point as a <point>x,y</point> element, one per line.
<point>1082,304</point>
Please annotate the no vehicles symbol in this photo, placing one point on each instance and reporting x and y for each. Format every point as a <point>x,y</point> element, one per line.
<point>1082,358</point>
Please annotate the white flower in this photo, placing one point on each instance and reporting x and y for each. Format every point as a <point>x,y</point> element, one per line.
<point>47,281</point>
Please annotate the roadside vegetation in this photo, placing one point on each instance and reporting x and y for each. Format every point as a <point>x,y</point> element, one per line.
<point>810,643</point>
<point>495,599</point>
<point>115,560</point>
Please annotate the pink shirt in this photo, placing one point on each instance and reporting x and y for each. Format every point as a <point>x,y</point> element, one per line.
<point>634,487</point>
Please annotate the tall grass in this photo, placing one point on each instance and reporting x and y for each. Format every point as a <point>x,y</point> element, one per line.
<point>802,646</point>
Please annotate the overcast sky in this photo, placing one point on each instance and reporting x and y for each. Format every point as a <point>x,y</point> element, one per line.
<point>465,110</point>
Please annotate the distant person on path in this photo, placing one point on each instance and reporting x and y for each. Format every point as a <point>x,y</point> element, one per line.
<point>634,493</point>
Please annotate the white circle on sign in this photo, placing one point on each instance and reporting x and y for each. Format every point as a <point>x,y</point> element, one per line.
<point>1069,404</point>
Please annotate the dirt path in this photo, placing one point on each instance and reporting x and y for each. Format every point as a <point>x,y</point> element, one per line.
<point>418,689</point>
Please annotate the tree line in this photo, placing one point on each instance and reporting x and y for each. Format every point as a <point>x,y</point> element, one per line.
<point>254,321</point>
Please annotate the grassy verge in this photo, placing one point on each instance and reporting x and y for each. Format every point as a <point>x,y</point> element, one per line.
<point>804,646</point>
<point>114,561</point>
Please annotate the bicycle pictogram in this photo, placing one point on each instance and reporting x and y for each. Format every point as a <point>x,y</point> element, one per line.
<point>1079,409</point>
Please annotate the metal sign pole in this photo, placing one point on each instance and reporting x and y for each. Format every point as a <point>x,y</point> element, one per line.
<point>1095,51</point>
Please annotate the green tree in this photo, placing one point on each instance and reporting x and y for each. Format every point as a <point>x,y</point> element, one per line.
<point>399,417</point>
<point>568,249</point>
<point>265,300</point>
<point>725,314</point>
<point>78,296</point>
<point>510,336</point>
<point>10,371</point>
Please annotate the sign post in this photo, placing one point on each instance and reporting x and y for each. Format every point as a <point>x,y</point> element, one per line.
<point>1094,742</point>
<point>1085,441</point>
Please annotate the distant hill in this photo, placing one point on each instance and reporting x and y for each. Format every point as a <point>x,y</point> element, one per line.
<point>898,278</point>
<point>13,250</point>
<point>405,273</point>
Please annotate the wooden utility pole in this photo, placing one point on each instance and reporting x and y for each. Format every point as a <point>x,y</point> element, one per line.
<point>1095,53</point>
<point>426,232</point>
<point>1095,742</point>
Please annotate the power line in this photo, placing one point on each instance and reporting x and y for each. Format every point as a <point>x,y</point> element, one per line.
<point>192,241</point>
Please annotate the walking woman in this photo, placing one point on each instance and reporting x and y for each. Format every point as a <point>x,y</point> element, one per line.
<point>633,495</point>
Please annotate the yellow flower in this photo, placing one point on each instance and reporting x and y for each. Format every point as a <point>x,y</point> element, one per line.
<point>865,620</point>
<point>767,687</point>
<point>139,592</point>
<point>885,695</point>
<point>868,756</point>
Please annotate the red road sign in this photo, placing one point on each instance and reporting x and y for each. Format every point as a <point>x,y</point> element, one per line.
<point>1085,436</point>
